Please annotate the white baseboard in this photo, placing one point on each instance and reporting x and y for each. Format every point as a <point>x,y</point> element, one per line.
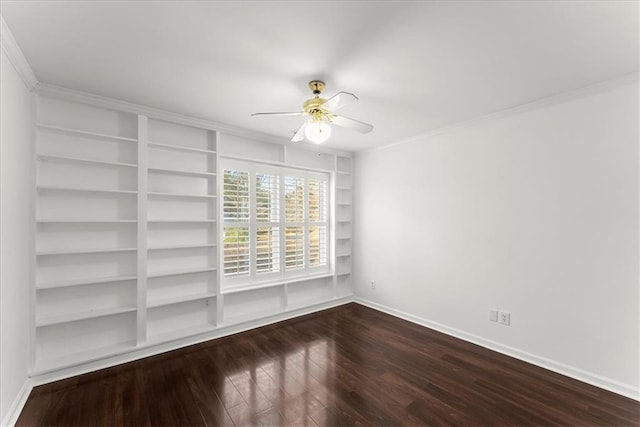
<point>614,386</point>
<point>16,407</point>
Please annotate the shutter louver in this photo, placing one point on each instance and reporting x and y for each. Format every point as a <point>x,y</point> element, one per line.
<point>294,199</point>
<point>236,251</point>
<point>294,248</point>
<point>317,246</point>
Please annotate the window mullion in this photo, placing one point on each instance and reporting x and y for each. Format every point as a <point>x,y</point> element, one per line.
<point>283,223</point>
<point>305,226</point>
<point>252,225</point>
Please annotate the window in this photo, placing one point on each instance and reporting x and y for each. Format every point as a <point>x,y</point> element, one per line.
<point>275,223</point>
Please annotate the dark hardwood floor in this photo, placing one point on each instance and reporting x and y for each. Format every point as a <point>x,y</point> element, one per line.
<point>344,366</point>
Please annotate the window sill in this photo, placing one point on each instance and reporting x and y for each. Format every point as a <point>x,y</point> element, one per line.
<point>264,285</point>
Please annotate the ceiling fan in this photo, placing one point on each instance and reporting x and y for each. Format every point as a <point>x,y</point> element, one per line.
<point>321,113</point>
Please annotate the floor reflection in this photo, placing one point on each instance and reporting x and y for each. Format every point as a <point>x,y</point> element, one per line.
<point>290,388</point>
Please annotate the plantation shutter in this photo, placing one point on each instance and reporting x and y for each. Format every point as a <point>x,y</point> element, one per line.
<point>267,223</point>
<point>236,218</point>
<point>294,220</point>
<point>317,229</point>
<point>275,223</point>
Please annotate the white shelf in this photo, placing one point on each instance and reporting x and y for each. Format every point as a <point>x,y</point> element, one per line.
<point>84,251</point>
<point>234,320</point>
<point>180,148</point>
<point>182,172</point>
<point>193,246</point>
<point>65,159</point>
<point>82,282</point>
<point>85,133</point>
<point>185,221</point>
<point>343,273</point>
<point>180,272</point>
<point>83,190</point>
<point>343,203</point>
<point>343,254</point>
<point>257,286</point>
<point>86,221</point>
<point>304,279</point>
<point>248,288</point>
<point>84,315</point>
<point>343,188</point>
<point>182,196</point>
<point>343,237</point>
<point>178,300</point>
<point>54,363</point>
<point>310,303</point>
<point>181,333</point>
<point>343,220</point>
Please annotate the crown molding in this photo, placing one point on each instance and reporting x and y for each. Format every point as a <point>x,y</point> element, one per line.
<point>46,89</point>
<point>518,109</point>
<point>16,57</point>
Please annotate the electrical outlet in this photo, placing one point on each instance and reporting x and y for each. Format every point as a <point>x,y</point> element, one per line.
<point>504,318</point>
<point>373,285</point>
<point>493,315</point>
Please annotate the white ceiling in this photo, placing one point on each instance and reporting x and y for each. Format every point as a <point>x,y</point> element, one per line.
<point>416,66</point>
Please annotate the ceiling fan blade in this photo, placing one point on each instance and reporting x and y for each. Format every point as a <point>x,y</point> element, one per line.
<point>299,135</point>
<point>348,123</point>
<point>339,100</point>
<point>296,113</point>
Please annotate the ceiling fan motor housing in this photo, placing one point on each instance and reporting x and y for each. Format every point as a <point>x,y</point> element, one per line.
<point>316,86</point>
<point>313,106</point>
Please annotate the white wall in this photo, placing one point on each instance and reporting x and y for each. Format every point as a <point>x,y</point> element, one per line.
<point>535,213</point>
<point>16,189</point>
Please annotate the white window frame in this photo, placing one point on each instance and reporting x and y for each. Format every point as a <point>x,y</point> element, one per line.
<point>253,277</point>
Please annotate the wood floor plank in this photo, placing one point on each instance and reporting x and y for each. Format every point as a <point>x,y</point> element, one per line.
<point>345,366</point>
<point>131,405</point>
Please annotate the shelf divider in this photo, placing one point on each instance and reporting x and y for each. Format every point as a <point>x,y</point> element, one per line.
<point>83,190</point>
<point>141,318</point>
<point>82,282</point>
<point>192,246</point>
<point>83,251</point>
<point>84,315</point>
<point>181,299</point>
<point>66,159</point>
<point>179,148</point>
<point>182,172</point>
<point>180,272</point>
<point>98,135</point>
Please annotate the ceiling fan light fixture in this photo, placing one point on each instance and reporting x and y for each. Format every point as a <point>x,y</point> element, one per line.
<point>317,132</point>
<point>320,114</point>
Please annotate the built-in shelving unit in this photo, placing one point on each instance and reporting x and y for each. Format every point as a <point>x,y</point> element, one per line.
<point>127,233</point>
<point>86,189</point>
<point>343,230</point>
<point>182,188</point>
